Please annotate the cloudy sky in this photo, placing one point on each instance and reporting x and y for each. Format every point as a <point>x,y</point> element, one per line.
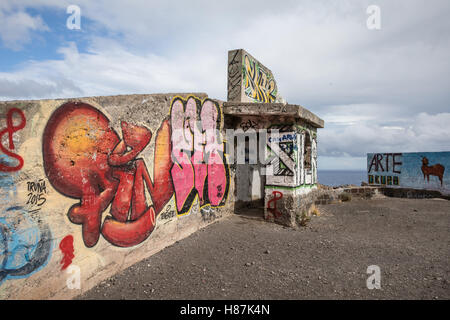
<point>377,90</point>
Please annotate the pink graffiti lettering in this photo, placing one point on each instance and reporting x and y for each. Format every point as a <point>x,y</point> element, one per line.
<point>200,167</point>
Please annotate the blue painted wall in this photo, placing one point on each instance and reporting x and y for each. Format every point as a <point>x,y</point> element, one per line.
<point>405,170</point>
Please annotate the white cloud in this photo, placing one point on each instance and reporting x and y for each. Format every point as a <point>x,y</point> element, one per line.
<point>16,28</point>
<point>384,90</point>
<point>107,69</point>
<point>422,132</point>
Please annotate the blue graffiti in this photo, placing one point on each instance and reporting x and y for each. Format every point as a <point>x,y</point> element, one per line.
<point>284,137</point>
<point>25,244</point>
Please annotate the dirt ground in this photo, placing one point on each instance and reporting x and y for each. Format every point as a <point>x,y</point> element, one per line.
<point>247,258</point>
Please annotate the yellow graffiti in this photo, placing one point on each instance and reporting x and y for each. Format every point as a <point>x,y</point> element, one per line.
<point>79,137</point>
<point>259,83</point>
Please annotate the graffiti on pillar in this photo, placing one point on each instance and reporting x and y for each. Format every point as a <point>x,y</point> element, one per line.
<point>259,83</point>
<point>199,166</point>
<point>25,244</point>
<point>36,195</point>
<point>12,126</point>
<point>434,170</point>
<point>295,148</point>
<point>282,168</point>
<point>85,159</point>
<point>387,168</point>
<point>272,204</point>
<point>234,76</point>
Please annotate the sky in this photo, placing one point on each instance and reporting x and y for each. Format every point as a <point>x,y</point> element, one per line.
<point>378,90</point>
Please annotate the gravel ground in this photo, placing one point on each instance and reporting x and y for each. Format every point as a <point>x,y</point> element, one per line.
<point>246,258</point>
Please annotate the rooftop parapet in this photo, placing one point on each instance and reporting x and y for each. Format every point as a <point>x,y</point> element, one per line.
<point>272,109</point>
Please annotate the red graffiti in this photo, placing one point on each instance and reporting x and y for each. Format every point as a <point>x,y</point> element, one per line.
<point>66,246</point>
<point>85,159</point>
<point>200,167</point>
<point>377,162</point>
<point>277,195</point>
<point>435,170</point>
<point>10,129</point>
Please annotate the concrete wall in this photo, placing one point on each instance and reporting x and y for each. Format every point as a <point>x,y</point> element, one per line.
<point>89,186</point>
<point>421,170</point>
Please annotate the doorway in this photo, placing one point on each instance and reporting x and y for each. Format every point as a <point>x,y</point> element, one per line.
<point>250,180</point>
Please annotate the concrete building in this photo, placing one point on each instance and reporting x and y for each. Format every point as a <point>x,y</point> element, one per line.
<point>279,141</point>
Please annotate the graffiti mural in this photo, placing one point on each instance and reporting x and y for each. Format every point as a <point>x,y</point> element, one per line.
<point>9,131</point>
<point>249,80</point>
<point>434,170</point>
<point>200,169</point>
<point>295,149</point>
<point>272,204</point>
<point>25,244</point>
<point>313,161</point>
<point>85,159</point>
<point>259,83</point>
<point>86,183</point>
<point>309,157</point>
<point>418,170</point>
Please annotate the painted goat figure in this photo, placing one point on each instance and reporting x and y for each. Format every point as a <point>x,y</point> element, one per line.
<point>435,170</point>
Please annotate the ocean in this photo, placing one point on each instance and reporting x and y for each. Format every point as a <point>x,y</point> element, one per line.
<point>341,177</point>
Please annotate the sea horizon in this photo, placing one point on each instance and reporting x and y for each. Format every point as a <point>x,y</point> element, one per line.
<point>337,177</point>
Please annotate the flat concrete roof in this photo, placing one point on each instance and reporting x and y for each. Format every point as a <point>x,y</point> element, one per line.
<point>272,109</point>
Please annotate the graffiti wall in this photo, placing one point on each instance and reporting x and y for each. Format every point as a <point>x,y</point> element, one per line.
<point>249,80</point>
<point>420,170</point>
<point>91,186</point>
<point>284,169</point>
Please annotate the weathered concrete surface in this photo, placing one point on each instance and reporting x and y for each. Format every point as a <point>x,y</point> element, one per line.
<point>241,258</point>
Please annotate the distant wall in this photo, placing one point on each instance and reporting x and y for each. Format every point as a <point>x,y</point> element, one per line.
<point>88,186</point>
<point>421,170</point>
